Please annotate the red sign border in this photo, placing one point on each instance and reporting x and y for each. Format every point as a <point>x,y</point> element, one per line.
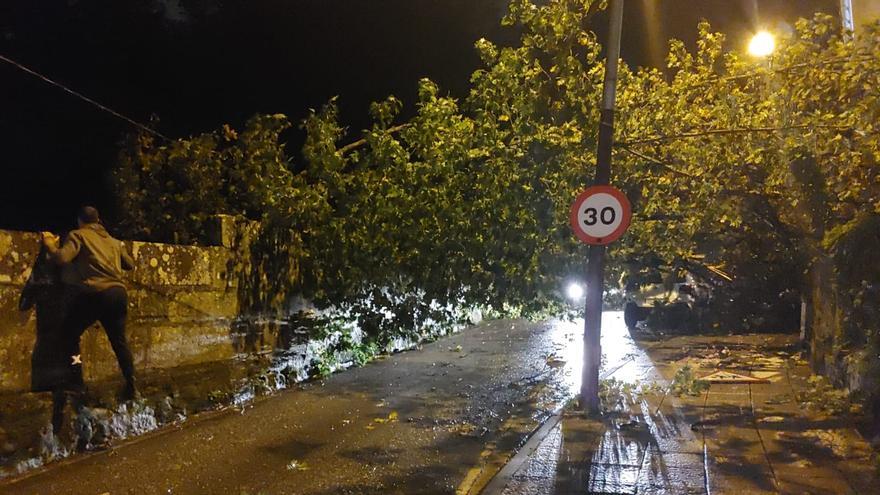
<point>624,224</point>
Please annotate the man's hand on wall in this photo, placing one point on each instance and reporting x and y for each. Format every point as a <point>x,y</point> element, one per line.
<point>50,240</point>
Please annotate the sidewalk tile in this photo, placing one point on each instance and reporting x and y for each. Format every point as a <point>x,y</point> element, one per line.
<point>611,479</point>
<point>670,436</point>
<point>672,474</point>
<point>543,461</point>
<point>620,448</point>
<point>740,475</point>
<point>590,478</point>
<point>733,441</point>
<point>672,481</point>
<point>804,477</point>
<point>662,460</point>
<point>542,486</point>
<point>815,486</point>
<point>861,474</point>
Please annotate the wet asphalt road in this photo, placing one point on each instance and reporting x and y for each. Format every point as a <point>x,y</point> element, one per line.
<point>424,421</point>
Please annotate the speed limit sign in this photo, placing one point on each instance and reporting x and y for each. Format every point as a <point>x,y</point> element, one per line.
<point>600,215</point>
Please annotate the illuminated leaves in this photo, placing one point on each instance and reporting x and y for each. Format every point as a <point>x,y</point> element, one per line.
<point>467,202</point>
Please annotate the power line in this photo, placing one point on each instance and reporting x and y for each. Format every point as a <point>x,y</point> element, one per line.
<point>83,98</point>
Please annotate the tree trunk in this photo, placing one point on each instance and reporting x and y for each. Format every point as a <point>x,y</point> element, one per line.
<point>826,319</point>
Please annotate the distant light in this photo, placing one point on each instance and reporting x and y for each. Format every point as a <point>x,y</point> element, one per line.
<point>575,292</point>
<point>762,44</point>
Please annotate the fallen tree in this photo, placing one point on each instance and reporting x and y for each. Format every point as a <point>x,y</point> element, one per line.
<point>767,166</point>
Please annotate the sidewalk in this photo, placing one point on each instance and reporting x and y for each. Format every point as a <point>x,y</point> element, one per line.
<point>755,438</point>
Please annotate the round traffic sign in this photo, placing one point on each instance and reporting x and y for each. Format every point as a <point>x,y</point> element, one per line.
<point>600,215</point>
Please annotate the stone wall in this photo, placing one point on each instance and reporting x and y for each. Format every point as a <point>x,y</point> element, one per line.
<point>182,306</point>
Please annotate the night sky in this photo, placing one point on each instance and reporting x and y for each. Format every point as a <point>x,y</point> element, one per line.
<point>197,64</point>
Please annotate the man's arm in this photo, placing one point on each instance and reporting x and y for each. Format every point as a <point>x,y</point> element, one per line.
<point>67,252</point>
<point>127,260</point>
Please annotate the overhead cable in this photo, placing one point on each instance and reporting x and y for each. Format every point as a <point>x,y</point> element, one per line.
<point>83,98</point>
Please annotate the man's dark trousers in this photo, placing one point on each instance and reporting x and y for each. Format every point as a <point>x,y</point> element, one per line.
<point>110,307</point>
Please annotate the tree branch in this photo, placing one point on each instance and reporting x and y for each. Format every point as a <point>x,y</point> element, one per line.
<point>361,142</point>
<point>657,161</point>
<point>786,68</point>
<point>737,130</point>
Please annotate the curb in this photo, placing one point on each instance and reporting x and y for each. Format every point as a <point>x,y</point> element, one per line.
<point>501,479</point>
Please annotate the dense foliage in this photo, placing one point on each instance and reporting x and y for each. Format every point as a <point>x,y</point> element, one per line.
<point>775,159</point>
<point>168,192</point>
<point>768,167</point>
<point>464,205</point>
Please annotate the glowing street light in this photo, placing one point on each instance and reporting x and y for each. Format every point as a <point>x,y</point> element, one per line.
<point>762,44</point>
<point>575,292</point>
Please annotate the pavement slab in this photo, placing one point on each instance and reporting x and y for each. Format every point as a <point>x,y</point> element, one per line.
<point>538,476</point>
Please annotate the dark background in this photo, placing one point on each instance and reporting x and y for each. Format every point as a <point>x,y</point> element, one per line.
<point>197,64</point>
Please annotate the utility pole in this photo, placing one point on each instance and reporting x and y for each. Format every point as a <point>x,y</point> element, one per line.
<point>596,261</point>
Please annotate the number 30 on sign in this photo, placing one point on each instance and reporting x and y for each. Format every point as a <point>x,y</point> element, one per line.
<point>600,215</point>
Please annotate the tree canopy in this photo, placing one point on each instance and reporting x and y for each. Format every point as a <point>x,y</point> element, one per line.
<point>765,165</point>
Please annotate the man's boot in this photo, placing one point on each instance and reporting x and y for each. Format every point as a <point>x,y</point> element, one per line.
<point>59,400</point>
<point>129,390</point>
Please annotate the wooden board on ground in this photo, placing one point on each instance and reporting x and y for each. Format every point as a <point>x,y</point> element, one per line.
<point>728,377</point>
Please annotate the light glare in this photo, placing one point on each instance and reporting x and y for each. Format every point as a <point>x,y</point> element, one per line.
<point>762,44</point>
<point>575,291</point>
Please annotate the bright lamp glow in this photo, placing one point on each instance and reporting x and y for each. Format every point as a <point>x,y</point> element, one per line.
<point>574,291</point>
<point>762,44</point>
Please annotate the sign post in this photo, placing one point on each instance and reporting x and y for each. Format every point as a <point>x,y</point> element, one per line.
<point>589,398</point>
<point>599,216</point>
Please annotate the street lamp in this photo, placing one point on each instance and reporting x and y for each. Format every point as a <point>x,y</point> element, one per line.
<point>575,291</point>
<point>762,44</point>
